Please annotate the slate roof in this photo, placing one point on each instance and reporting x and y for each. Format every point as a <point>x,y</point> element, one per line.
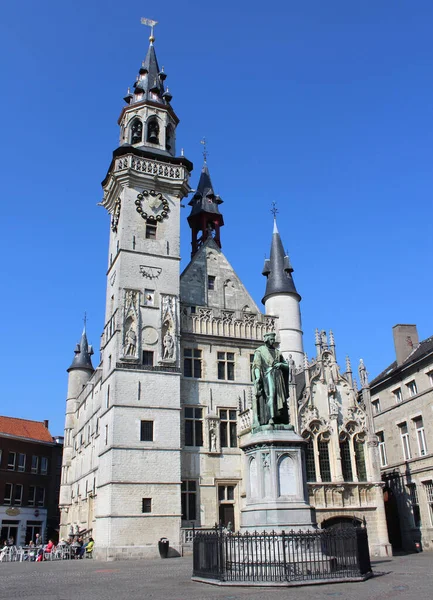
<point>204,199</point>
<point>423,349</point>
<point>278,270</point>
<point>151,81</point>
<point>32,430</point>
<point>83,353</point>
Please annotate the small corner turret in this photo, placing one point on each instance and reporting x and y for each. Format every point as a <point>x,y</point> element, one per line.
<point>205,218</point>
<point>83,355</point>
<point>282,299</point>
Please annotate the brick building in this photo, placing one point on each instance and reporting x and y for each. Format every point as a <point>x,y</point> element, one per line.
<point>30,467</point>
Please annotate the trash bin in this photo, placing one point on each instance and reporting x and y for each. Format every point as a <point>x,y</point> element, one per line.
<point>163,546</point>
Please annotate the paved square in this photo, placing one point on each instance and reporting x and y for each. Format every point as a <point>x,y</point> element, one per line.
<point>400,578</point>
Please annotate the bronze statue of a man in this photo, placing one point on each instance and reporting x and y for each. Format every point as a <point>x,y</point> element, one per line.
<point>270,374</point>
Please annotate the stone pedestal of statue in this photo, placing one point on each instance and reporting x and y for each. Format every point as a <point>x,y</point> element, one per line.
<point>276,491</point>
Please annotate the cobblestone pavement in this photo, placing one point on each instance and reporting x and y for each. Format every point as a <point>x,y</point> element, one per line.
<point>400,578</point>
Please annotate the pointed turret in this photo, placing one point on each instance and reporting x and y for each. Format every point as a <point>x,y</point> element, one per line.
<point>149,84</point>
<point>278,269</point>
<point>205,217</point>
<point>282,299</point>
<point>83,354</point>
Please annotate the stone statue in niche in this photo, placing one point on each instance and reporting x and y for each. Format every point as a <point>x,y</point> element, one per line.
<point>168,343</point>
<point>270,373</point>
<point>212,440</point>
<point>130,342</point>
<point>169,321</point>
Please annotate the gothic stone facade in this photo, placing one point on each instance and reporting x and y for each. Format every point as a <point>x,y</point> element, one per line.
<point>152,435</point>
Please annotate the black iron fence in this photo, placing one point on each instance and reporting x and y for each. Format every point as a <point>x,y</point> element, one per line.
<point>294,556</point>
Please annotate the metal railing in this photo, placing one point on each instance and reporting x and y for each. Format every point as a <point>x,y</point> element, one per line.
<point>294,556</point>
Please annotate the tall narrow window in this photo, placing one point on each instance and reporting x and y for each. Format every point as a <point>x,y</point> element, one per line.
<point>40,496</point>
<point>428,485</point>
<point>411,388</point>
<point>397,395</point>
<point>8,494</point>
<point>404,433</point>
<point>360,460</point>
<point>21,462</point>
<point>192,362</point>
<point>189,500</point>
<point>153,131</point>
<point>146,431</point>
<point>210,282</point>
<point>18,496</point>
<point>346,463</point>
<point>136,131</point>
<point>376,406</point>
<point>168,137</point>
<point>413,496</point>
<point>226,365</point>
<point>148,358</point>
<point>32,495</point>
<point>193,426</point>
<point>430,378</point>
<point>146,505</point>
<point>35,464</point>
<point>150,231</point>
<point>325,467</point>
<point>309,459</point>
<point>420,436</point>
<point>228,428</point>
<point>11,461</point>
<point>44,465</point>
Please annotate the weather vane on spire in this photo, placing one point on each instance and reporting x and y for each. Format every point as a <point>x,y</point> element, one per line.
<point>85,320</point>
<point>205,152</point>
<point>150,23</point>
<point>274,209</point>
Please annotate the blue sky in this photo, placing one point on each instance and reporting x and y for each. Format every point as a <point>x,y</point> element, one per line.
<point>322,106</point>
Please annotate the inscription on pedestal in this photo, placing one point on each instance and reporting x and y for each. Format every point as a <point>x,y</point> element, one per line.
<point>286,477</point>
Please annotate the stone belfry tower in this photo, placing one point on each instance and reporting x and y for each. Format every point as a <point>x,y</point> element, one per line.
<point>139,491</point>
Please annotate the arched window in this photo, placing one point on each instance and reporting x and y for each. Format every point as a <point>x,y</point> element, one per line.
<point>360,460</point>
<point>346,463</point>
<point>325,467</point>
<point>168,137</point>
<point>153,131</point>
<point>309,460</point>
<point>136,131</point>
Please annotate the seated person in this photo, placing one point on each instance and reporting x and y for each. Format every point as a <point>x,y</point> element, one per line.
<point>89,545</point>
<point>49,547</point>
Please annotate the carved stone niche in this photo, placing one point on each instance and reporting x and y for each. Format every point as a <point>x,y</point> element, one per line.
<point>169,329</point>
<point>131,340</point>
<point>213,442</point>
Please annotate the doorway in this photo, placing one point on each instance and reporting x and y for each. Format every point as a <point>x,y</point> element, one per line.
<point>33,527</point>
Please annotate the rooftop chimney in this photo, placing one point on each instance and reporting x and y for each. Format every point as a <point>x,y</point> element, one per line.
<point>405,340</point>
<point>46,423</point>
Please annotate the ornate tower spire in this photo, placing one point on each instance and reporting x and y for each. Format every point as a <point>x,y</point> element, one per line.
<point>205,218</point>
<point>149,122</point>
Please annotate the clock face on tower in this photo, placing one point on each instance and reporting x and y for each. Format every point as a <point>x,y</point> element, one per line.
<point>152,206</point>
